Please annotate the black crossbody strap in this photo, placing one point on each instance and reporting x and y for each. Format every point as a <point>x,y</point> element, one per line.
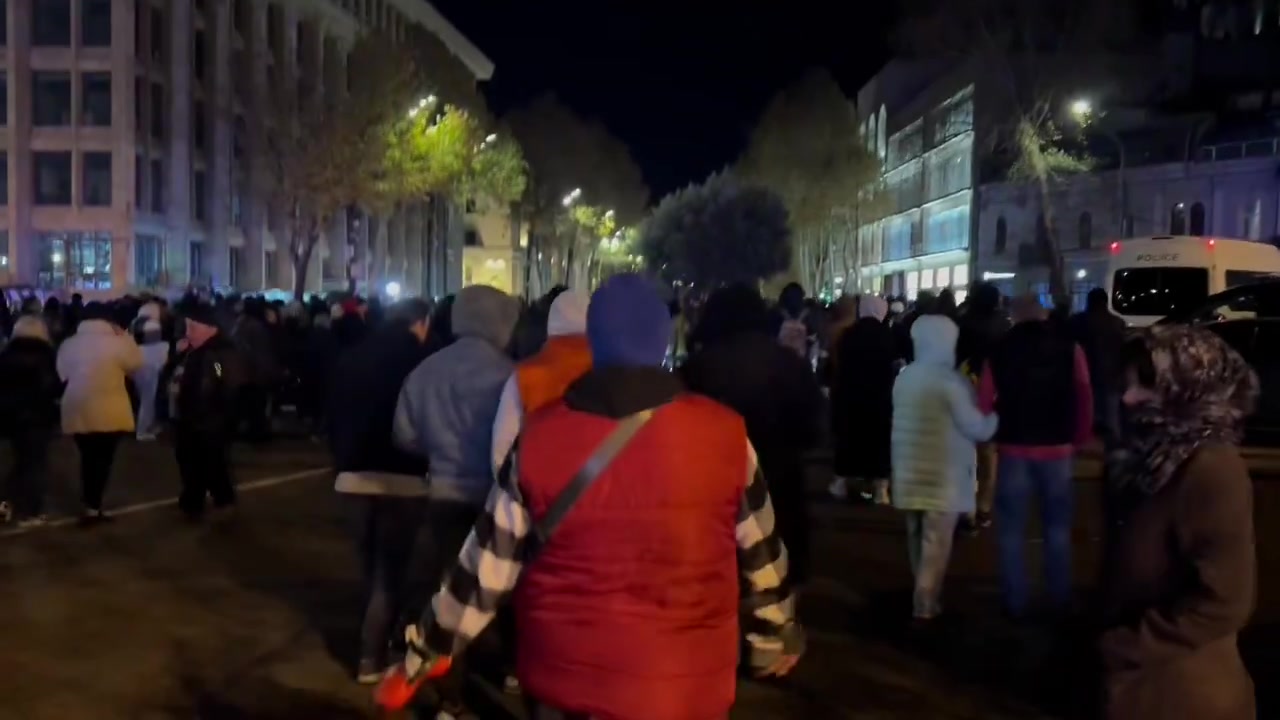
<point>614,443</point>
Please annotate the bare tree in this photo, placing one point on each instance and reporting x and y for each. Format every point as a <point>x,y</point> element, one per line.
<point>807,148</point>
<point>574,165</point>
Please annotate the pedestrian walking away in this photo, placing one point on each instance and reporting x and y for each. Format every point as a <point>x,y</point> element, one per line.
<point>29,390</point>
<point>96,412</point>
<point>626,589</point>
<point>384,487</point>
<point>936,423</point>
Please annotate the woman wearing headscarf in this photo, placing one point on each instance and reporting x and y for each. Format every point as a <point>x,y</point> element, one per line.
<point>1182,578</point>
<point>738,361</point>
<point>862,402</point>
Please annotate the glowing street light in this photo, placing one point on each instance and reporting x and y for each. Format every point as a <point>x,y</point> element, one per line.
<point>492,138</point>
<point>393,290</point>
<point>56,258</point>
<point>1081,109</point>
<point>572,197</point>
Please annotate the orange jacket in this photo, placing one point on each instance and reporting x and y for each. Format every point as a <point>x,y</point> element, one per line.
<point>544,378</point>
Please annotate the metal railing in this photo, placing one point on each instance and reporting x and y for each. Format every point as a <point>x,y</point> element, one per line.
<point>1238,150</point>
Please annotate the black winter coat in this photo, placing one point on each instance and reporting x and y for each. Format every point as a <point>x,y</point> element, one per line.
<point>777,394</point>
<point>862,400</point>
<point>29,386</point>
<point>213,377</point>
<point>362,403</point>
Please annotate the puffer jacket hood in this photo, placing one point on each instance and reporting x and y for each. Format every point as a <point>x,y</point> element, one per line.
<point>934,338</point>
<point>486,313</point>
<point>568,314</point>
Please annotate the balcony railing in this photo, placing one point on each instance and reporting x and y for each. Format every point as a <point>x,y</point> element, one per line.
<point>1238,150</point>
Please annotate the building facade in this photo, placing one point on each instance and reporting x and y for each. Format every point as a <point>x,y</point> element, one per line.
<point>1234,198</point>
<point>918,120</point>
<point>128,165</point>
<point>494,248</point>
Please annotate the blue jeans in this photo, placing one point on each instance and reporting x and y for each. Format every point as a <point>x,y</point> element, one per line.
<point>1017,479</point>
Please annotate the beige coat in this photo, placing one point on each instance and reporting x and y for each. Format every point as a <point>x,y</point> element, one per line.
<point>94,363</point>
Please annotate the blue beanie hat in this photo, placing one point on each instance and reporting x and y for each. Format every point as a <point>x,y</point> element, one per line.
<point>628,324</point>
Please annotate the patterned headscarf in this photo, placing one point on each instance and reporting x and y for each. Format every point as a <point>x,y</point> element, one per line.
<point>1204,391</point>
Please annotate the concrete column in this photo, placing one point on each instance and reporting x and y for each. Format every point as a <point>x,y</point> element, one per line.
<point>255,207</point>
<point>414,231</point>
<point>219,106</point>
<point>453,247</point>
<point>399,250</point>
<point>378,232</point>
<point>334,265</point>
<point>178,143</point>
<point>23,248</point>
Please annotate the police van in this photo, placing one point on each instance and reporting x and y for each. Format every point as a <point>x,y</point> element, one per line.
<point>1149,278</point>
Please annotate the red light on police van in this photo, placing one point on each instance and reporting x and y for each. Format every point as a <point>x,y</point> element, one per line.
<point>1212,242</point>
<point>1115,247</point>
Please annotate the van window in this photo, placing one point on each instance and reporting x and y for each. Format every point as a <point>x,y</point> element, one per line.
<point>1236,278</point>
<point>1158,291</point>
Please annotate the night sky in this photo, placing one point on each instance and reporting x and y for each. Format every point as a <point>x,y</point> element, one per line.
<point>681,83</point>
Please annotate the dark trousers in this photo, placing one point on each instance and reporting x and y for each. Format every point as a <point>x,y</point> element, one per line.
<point>97,454</point>
<point>27,481</point>
<point>448,525</point>
<point>204,467</point>
<point>255,408</point>
<point>386,530</point>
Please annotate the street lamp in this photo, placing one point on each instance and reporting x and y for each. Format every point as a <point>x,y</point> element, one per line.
<point>393,290</point>
<point>1082,112</point>
<point>572,197</point>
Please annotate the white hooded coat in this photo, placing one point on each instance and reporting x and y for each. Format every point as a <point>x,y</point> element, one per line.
<point>568,316</point>
<point>936,422</point>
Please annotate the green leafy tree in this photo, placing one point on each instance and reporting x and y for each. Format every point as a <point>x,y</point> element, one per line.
<point>1029,60</point>
<point>719,232</point>
<point>807,149</point>
<point>567,153</point>
<point>392,137</point>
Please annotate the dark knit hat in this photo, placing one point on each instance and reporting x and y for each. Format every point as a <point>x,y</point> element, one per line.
<point>628,323</point>
<point>199,312</point>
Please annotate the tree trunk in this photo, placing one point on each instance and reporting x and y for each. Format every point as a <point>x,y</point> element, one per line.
<point>301,247</point>
<point>1057,283</point>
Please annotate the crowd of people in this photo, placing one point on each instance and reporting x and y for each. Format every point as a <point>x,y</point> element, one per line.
<point>612,530</point>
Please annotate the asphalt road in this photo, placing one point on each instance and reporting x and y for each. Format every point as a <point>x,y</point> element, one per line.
<point>256,617</point>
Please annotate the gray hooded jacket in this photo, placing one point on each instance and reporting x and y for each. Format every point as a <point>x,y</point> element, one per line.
<point>448,403</point>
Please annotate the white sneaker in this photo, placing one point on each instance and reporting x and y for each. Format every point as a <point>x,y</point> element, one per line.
<point>839,489</point>
<point>34,521</point>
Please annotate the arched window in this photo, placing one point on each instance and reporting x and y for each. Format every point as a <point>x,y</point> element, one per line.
<point>1084,232</point>
<point>1178,219</point>
<point>1002,235</point>
<point>1197,219</point>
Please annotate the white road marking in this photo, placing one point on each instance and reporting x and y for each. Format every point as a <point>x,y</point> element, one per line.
<point>170,502</point>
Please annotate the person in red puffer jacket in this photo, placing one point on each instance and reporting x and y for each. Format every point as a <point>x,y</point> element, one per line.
<point>630,609</point>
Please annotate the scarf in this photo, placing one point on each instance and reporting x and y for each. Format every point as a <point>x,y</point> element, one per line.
<point>1203,392</point>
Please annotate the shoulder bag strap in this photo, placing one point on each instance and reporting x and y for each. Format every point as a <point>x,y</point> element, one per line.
<point>614,443</point>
